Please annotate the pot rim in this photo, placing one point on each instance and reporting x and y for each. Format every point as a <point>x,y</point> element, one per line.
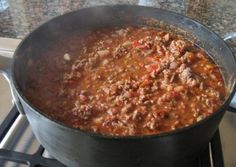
<point>20,94</point>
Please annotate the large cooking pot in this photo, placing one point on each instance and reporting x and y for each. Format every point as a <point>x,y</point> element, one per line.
<point>75,147</point>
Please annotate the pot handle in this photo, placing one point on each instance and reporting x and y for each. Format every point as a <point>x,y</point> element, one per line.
<point>5,70</point>
<point>232,105</point>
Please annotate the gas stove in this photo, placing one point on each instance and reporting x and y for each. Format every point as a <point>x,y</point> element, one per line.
<point>19,147</point>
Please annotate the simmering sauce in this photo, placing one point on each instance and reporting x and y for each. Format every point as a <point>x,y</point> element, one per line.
<point>125,81</point>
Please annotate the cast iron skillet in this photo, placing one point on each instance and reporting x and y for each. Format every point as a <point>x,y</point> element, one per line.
<point>74,147</point>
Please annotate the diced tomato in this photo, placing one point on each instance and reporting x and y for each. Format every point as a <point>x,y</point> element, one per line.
<point>152,67</point>
<point>146,82</point>
<point>218,77</point>
<point>174,94</point>
<point>151,59</point>
<point>134,94</point>
<point>135,43</point>
<point>142,46</point>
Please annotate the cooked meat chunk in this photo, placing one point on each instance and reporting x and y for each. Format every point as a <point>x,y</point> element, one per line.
<point>177,46</point>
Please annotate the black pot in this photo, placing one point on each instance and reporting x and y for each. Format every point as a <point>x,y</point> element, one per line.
<point>74,147</point>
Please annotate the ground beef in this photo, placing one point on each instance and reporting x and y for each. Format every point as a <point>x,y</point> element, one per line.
<point>125,81</point>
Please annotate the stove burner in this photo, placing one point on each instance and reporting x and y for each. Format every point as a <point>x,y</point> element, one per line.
<point>34,160</point>
<point>211,157</point>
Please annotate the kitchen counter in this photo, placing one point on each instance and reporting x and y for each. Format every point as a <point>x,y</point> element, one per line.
<point>19,17</point>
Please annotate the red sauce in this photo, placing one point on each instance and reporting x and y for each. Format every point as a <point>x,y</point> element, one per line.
<point>125,81</point>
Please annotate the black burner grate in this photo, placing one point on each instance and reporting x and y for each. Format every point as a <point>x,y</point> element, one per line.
<point>34,160</point>
<point>211,157</point>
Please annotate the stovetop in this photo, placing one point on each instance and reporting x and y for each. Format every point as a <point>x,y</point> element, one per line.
<point>19,146</point>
